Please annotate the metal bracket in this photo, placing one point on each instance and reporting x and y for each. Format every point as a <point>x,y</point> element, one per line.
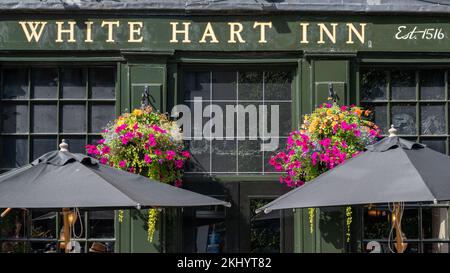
<point>145,100</point>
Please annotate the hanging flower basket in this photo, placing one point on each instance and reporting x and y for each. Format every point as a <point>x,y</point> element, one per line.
<point>144,142</point>
<point>328,137</point>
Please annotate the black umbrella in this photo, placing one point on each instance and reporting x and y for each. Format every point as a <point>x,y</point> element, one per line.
<point>392,170</point>
<point>61,179</point>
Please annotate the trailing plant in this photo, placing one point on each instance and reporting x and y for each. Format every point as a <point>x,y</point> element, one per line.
<point>328,136</point>
<point>144,142</point>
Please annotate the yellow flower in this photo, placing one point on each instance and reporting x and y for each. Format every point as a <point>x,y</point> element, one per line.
<point>137,112</point>
<point>329,112</point>
<point>341,116</point>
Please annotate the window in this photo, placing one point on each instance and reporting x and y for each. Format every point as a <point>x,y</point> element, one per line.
<point>415,101</point>
<point>242,110</point>
<point>39,106</point>
<point>42,105</point>
<point>425,228</point>
<point>38,231</point>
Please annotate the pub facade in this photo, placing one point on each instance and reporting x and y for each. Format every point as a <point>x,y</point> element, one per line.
<point>69,67</point>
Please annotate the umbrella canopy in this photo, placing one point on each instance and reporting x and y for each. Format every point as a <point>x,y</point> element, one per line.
<point>391,170</point>
<point>61,179</point>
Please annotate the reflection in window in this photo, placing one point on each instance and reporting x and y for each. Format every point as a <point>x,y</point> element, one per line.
<point>39,231</point>
<point>264,229</point>
<point>425,227</point>
<point>252,95</point>
<point>204,230</point>
<point>416,104</point>
<point>39,106</point>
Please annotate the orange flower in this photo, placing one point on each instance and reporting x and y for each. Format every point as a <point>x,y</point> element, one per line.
<point>367,113</point>
<point>358,111</point>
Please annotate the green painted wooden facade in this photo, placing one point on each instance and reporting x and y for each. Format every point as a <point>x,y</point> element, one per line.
<point>157,63</point>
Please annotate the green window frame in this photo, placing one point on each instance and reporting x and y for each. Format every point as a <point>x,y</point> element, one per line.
<point>96,97</point>
<point>409,98</point>
<point>238,68</point>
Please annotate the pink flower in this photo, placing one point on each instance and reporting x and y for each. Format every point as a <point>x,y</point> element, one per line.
<point>325,142</point>
<point>357,133</point>
<point>151,140</point>
<point>272,161</point>
<point>373,133</point>
<point>314,158</point>
<point>328,105</point>
<point>281,179</point>
<point>186,154</point>
<point>120,128</point>
<point>132,169</point>
<point>179,164</point>
<point>101,141</point>
<point>178,183</point>
<point>122,164</point>
<point>103,160</point>
<point>288,180</point>
<point>106,150</point>
<point>157,152</point>
<point>147,159</point>
<point>343,108</point>
<point>136,126</point>
<point>170,155</point>
<point>278,167</point>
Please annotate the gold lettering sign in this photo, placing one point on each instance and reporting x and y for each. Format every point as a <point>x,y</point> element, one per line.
<point>180,32</point>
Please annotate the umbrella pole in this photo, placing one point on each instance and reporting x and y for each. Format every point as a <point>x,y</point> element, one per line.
<point>66,228</point>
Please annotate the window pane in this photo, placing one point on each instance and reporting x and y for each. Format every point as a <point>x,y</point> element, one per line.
<point>73,118</point>
<point>44,118</point>
<point>93,140</point>
<point>436,248</point>
<point>250,86</point>
<point>73,83</point>
<point>224,159</point>
<point>373,85</point>
<point>45,83</point>
<point>277,85</point>
<point>101,224</point>
<point>248,116</point>
<point>432,119</point>
<point>200,150</point>
<point>14,118</point>
<point>13,226</point>
<point>43,224</point>
<point>197,84</point>
<point>264,229</point>
<point>76,143</point>
<point>404,118</point>
<point>100,115</point>
<point>14,151</point>
<point>15,83</point>
<point>376,223</point>
<point>102,83</point>
<point>224,85</point>
<point>42,145</point>
<point>410,223</point>
<point>432,84</point>
<point>435,223</point>
<point>435,144</point>
<point>204,229</point>
<point>378,116</point>
<point>403,85</point>
<point>283,111</point>
<point>250,156</point>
